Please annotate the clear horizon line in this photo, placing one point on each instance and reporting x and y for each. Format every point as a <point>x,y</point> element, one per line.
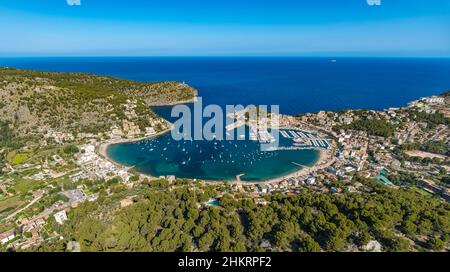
<point>224,56</point>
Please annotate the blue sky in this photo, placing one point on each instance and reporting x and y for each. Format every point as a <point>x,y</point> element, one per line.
<point>225,28</point>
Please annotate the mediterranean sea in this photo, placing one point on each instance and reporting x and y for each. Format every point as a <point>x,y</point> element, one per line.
<point>298,84</point>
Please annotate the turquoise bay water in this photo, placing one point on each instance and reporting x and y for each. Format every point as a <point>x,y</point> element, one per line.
<point>210,160</point>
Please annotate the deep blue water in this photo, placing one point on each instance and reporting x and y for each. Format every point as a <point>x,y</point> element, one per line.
<point>296,84</point>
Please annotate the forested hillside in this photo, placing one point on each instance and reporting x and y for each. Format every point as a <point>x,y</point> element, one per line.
<point>175,220</point>
<point>33,102</point>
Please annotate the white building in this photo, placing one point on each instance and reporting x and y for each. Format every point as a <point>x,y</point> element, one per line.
<point>171,178</point>
<point>150,131</point>
<point>60,217</point>
<point>434,100</point>
<point>7,236</point>
<point>310,180</point>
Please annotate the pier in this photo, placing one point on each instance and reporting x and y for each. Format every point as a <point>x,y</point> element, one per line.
<point>303,140</point>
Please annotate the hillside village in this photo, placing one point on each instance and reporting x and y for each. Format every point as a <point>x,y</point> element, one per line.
<point>399,149</point>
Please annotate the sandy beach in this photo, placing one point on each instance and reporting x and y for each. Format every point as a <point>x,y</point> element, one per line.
<point>102,148</point>
<point>325,159</point>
